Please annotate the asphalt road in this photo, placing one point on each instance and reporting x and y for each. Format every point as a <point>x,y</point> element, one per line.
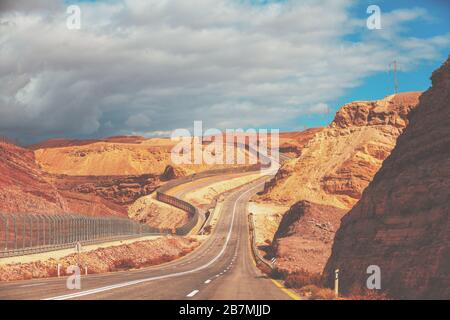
<point>222,268</point>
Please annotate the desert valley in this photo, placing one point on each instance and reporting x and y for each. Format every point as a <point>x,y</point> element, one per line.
<point>371,188</point>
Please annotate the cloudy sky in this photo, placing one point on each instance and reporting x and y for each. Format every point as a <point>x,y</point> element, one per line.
<point>148,67</point>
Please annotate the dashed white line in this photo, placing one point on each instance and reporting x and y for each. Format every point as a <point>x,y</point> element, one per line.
<point>193,293</point>
<point>207,281</point>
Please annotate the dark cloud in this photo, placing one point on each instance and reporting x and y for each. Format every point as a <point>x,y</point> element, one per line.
<point>148,67</point>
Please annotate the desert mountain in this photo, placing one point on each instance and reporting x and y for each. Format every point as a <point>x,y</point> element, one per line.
<point>339,161</point>
<point>25,188</point>
<point>329,176</point>
<point>401,223</point>
<point>112,157</point>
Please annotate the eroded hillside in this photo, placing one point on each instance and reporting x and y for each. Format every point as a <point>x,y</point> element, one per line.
<point>337,164</point>
<point>334,168</point>
<point>25,188</point>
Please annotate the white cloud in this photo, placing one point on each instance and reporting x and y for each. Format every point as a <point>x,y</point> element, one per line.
<point>163,64</point>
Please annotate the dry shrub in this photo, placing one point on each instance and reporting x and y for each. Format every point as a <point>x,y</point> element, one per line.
<point>124,264</point>
<point>207,229</point>
<point>317,293</point>
<point>302,278</point>
<point>367,295</point>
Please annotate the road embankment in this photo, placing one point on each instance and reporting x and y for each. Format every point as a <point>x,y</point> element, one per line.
<point>108,259</point>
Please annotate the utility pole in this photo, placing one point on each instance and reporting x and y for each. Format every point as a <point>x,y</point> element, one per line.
<point>393,67</point>
<point>336,283</point>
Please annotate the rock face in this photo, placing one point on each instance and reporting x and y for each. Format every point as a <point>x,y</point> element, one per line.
<point>25,188</point>
<point>22,185</point>
<point>338,163</point>
<point>304,237</point>
<point>171,172</point>
<point>292,143</point>
<point>121,190</point>
<point>329,176</point>
<point>402,223</point>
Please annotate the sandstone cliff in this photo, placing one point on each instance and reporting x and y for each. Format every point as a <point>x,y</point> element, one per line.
<point>402,223</point>
<point>328,178</point>
<point>338,162</point>
<point>25,188</point>
<point>22,186</point>
<point>304,237</point>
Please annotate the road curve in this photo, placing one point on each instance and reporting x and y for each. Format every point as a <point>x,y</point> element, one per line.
<point>222,268</point>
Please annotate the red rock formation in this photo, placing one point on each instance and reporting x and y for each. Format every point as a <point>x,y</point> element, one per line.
<point>402,223</point>
<point>172,172</point>
<point>291,143</point>
<point>121,190</point>
<point>338,162</point>
<point>305,236</point>
<point>22,185</point>
<point>25,188</point>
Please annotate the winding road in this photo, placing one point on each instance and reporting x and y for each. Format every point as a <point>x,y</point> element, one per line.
<point>221,268</point>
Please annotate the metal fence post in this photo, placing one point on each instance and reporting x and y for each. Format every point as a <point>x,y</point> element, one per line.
<point>38,232</point>
<point>51,230</point>
<point>15,232</point>
<point>30,219</point>
<point>3,218</point>
<point>6,233</point>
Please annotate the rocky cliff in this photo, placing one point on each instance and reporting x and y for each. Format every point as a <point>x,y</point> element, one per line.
<point>22,185</point>
<point>304,237</point>
<point>329,176</point>
<point>402,223</point>
<point>25,188</point>
<point>338,163</point>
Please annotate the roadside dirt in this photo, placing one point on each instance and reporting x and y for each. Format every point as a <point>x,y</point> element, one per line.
<point>205,195</point>
<point>267,218</point>
<point>124,257</point>
<point>157,214</point>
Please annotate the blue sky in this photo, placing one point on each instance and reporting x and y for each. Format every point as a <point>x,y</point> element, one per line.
<point>381,84</point>
<point>148,67</point>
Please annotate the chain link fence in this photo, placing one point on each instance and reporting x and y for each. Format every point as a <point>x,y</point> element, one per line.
<point>31,233</point>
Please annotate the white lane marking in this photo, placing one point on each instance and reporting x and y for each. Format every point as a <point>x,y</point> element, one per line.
<point>193,293</point>
<point>130,283</point>
<point>32,285</point>
<point>208,281</point>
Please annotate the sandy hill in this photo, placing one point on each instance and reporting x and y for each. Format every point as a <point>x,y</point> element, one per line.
<point>402,223</point>
<point>111,156</point>
<point>24,188</point>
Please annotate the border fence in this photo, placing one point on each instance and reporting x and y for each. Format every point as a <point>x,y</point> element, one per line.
<point>32,233</point>
<point>28,233</point>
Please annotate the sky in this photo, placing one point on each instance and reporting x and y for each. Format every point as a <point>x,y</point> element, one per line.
<point>148,67</point>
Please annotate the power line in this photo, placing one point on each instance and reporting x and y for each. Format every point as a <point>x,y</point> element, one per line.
<point>393,67</point>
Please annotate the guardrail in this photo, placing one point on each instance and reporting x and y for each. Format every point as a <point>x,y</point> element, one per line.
<point>194,212</point>
<point>32,233</point>
<point>262,263</point>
